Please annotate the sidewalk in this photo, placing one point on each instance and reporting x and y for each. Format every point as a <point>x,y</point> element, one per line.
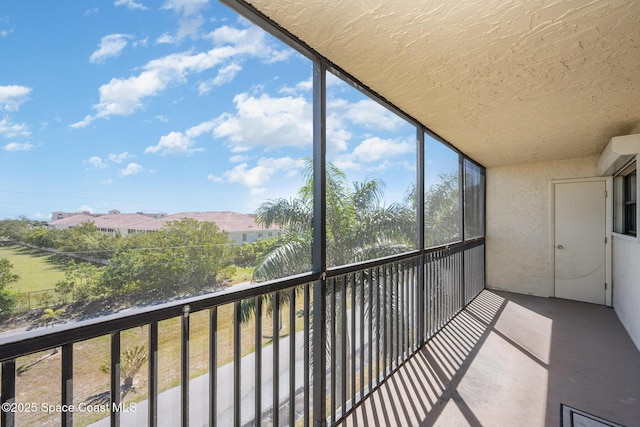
<point>169,409</point>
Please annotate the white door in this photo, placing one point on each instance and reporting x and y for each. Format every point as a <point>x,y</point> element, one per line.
<point>580,231</point>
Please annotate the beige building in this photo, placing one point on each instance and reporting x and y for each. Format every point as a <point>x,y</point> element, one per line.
<point>241,228</point>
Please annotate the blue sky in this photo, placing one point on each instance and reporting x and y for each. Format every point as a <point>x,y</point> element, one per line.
<point>171,106</point>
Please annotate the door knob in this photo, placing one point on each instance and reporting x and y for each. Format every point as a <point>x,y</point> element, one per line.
<point>560,246</point>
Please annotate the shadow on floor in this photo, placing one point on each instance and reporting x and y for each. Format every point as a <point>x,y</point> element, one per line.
<point>512,360</point>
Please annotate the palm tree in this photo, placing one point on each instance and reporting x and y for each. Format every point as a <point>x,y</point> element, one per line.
<point>442,210</point>
<point>358,228</point>
<point>50,316</point>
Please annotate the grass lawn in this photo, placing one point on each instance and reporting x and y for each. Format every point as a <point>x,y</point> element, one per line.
<point>37,270</point>
<point>242,274</point>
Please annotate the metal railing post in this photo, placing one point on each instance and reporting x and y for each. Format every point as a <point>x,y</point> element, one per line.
<point>184,364</point>
<point>8,389</point>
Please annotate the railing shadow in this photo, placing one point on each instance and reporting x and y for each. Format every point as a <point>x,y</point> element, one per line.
<point>510,359</point>
<point>417,393</point>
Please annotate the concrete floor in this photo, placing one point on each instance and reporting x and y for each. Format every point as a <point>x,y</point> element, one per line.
<point>512,360</point>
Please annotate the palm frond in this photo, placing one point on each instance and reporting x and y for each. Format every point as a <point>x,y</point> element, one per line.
<point>292,257</point>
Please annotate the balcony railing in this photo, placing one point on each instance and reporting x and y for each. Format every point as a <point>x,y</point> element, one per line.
<point>372,317</point>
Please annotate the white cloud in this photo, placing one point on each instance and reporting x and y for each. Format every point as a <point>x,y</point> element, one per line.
<point>225,75</point>
<point>84,122</point>
<point>177,143</point>
<point>238,158</point>
<point>197,130</point>
<point>255,178</point>
<point>86,208</point>
<point>287,122</point>
<point>110,46</point>
<point>333,80</point>
<point>12,96</point>
<point>258,121</point>
<point>266,121</point>
<point>119,158</point>
<point>124,96</point>
<point>5,23</point>
<point>97,162</point>
<point>346,163</point>
<point>108,181</point>
<point>12,130</point>
<point>375,149</point>
<point>372,115</point>
<point>130,4</point>
<point>189,26</point>
<point>253,41</point>
<point>343,115</point>
<point>366,113</point>
<point>377,154</point>
<point>215,178</point>
<point>185,7</point>
<point>283,164</point>
<point>131,169</point>
<point>16,146</point>
<point>166,39</point>
<point>142,42</point>
<point>172,143</point>
<point>338,135</point>
<point>190,19</point>
<point>303,86</point>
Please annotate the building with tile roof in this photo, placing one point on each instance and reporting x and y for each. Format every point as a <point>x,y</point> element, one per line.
<point>241,228</point>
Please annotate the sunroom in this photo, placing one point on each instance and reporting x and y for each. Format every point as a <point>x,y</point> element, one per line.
<point>507,293</point>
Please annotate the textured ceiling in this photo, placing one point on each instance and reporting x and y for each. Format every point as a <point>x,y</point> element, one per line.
<point>507,82</point>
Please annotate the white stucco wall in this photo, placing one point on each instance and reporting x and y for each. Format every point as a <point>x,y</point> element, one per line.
<point>626,284</point>
<point>518,223</point>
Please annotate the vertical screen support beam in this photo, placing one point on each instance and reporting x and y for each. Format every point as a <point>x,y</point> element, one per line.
<point>319,251</point>
<point>420,294</point>
<point>463,237</point>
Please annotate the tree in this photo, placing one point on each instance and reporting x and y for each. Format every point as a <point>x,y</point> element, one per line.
<point>14,229</point>
<point>246,254</point>
<point>81,279</point>
<point>359,227</point>
<point>64,289</point>
<point>442,211</point>
<point>42,236</point>
<point>50,316</point>
<point>184,256</point>
<point>7,277</point>
<point>86,240</point>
